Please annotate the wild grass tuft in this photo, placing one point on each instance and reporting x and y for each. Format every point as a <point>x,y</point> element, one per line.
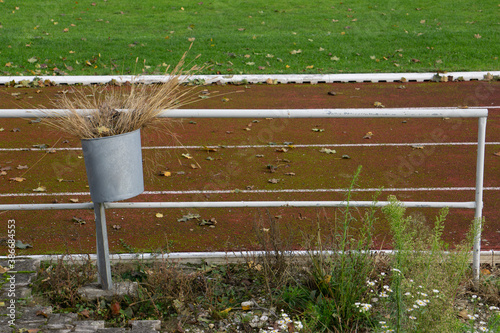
<point>113,110</point>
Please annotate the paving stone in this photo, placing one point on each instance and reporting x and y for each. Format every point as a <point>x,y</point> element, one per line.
<point>62,321</point>
<point>88,326</point>
<point>31,312</point>
<point>143,330</point>
<point>94,291</point>
<point>24,265</point>
<point>152,324</point>
<point>5,328</point>
<point>113,330</point>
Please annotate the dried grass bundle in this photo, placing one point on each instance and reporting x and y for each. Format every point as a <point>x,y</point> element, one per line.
<point>116,110</point>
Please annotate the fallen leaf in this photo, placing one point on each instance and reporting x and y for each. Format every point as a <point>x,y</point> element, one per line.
<point>40,189</point>
<point>73,200</point>
<point>290,173</point>
<point>318,129</point>
<point>85,313</point>
<point>327,151</point>
<point>464,314</point>
<point>15,130</point>
<point>117,226</point>
<point>273,181</point>
<point>368,135</point>
<point>477,36</point>
<point>210,222</point>
<point>115,308</point>
<point>3,173</point>
<point>32,60</point>
<point>159,215</point>
<point>166,173</point>
<point>21,245</point>
<point>417,147</point>
<point>41,313</point>
<point>378,105</point>
<point>187,156</point>
<point>20,167</point>
<point>3,269</point>
<point>497,153</point>
<point>78,220</point>
<point>65,30</point>
<point>194,166</point>
<point>188,217</point>
<point>282,150</point>
<point>18,179</point>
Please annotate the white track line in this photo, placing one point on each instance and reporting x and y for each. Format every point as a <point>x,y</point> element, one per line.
<point>278,146</point>
<point>338,190</point>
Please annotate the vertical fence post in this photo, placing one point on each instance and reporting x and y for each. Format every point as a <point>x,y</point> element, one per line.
<point>481,141</point>
<point>103,264</point>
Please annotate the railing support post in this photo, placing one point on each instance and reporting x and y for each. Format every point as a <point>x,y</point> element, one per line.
<point>103,264</point>
<point>478,216</point>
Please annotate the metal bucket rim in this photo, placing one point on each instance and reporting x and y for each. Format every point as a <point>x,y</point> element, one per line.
<point>111,136</point>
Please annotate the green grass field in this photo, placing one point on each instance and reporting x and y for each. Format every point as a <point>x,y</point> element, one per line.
<point>123,37</point>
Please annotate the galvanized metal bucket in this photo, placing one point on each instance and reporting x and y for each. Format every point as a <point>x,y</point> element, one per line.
<point>114,166</point>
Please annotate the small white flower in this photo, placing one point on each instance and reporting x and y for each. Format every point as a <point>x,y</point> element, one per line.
<point>471,317</point>
<point>383,274</point>
<point>420,302</point>
<point>412,317</point>
<point>435,291</point>
<point>396,270</point>
<point>383,294</point>
<point>407,293</point>
<point>370,283</point>
<point>381,322</point>
<point>483,329</point>
<point>474,296</point>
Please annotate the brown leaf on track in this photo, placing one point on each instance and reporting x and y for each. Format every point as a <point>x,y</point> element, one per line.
<point>497,153</point>
<point>18,179</point>
<point>40,189</point>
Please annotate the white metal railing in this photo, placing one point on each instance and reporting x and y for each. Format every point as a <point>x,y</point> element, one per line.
<point>477,204</point>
